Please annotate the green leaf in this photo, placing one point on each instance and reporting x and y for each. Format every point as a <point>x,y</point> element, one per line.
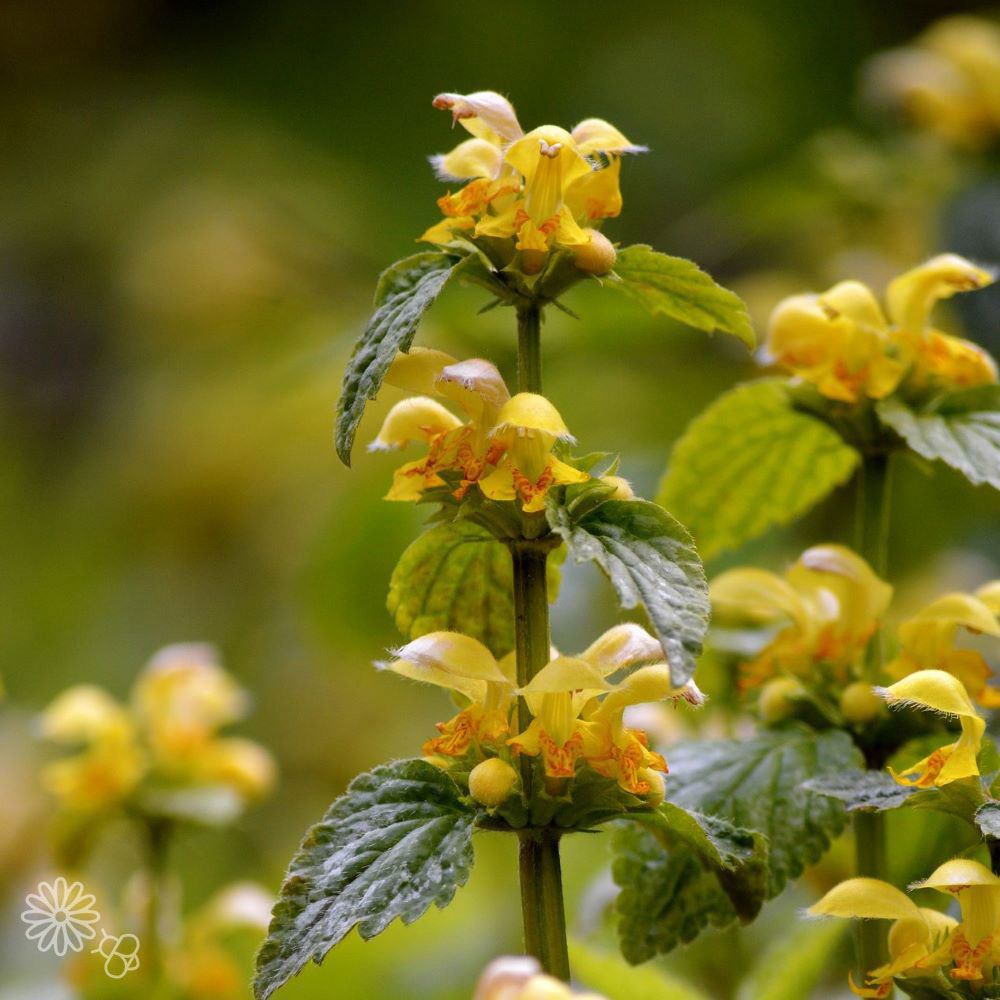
<point>931,988</point>
<point>988,819</point>
<point>681,290</point>
<point>870,791</point>
<point>751,461</point>
<point>756,784</point>
<point>397,840</point>
<point>961,429</point>
<point>650,559</point>
<point>794,966</point>
<point>456,577</point>
<point>612,978</point>
<point>405,291</point>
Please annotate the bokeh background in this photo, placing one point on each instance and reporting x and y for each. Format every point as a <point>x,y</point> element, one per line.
<point>195,202</point>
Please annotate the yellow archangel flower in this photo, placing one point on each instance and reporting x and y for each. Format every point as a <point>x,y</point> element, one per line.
<point>109,763</point>
<point>915,937</point>
<point>505,446</point>
<point>578,713</point>
<point>465,666</point>
<point>948,81</point>
<point>937,691</point>
<point>826,608</point>
<point>538,188</point>
<point>521,978</point>
<point>842,342</point>
<point>927,641</point>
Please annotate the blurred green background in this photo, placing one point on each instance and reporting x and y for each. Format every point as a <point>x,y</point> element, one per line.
<point>195,202</point>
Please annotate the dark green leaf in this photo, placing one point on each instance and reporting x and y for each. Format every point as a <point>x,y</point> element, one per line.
<point>650,559</point>
<point>750,461</point>
<point>397,840</point>
<point>456,577</point>
<point>961,429</point>
<point>873,791</point>
<point>405,291</point>
<point>756,784</point>
<point>678,288</point>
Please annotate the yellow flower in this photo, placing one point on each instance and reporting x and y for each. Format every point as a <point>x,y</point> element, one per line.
<point>572,723</point>
<point>521,978</point>
<point>537,189</point>
<point>463,665</point>
<point>527,428</point>
<point>914,937</point>
<point>927,641</point>
<point>476,386</point>
<point>948,81</point>
<point>937,691</point>
<point>826,607</point>
<point>109,763</point>
<point>842,342</point>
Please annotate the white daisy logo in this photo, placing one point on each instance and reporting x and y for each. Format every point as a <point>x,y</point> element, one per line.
<point>60,917</point>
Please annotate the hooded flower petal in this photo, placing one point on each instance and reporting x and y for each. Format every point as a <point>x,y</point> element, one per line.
<point>415,419</point>
<point>912,295</point>
<point>486,114</point>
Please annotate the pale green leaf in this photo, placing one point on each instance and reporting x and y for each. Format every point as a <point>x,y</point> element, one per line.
<point>678,288</point>
<point>457,578</point>
<point>650,559</point>
<point>961,429</point>
<point>608,975</point>
<point>398,840</point>
<point>756,784</point>
<point>749,462</point>
<point>405,291</point>
<point>795,965</point>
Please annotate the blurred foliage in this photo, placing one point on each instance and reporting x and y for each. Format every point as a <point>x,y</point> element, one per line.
<point>196,201</point>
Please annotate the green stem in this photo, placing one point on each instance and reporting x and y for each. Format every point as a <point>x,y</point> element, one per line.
<point>873,480</point>
<point>157,846</point>
<point>529,349</point>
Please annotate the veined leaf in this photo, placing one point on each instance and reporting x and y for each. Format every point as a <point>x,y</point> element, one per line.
<point>751,461</point>
<point>397,840</point>
<point>961,429</point>
<point>756,784</point>
<point>988,819</point>
<point>456,577</point>
<point>610,976</point>
<point>872,791</point>
<point>650,559</point>
<point>681,290</point>
<point>405,291</point>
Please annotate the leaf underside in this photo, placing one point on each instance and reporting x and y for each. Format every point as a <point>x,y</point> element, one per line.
<point>871,791</point>
<point>749,462</point>
<point>398,840</point>
<point>650,559</point>
<point>680,289</point>
<point>455,577</point>
<point>962,430</point>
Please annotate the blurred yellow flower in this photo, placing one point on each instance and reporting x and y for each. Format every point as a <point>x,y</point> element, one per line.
<point>521,978</point>
<point>826,608</point>
<point>536,189</point>
<point>842,342</point>
<point>927,641</point>
<point>940,692</point>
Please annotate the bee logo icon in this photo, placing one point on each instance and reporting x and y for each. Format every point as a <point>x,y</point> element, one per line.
<point>121,954</point>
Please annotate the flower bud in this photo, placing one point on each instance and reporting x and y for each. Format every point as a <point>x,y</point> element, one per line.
<point>597,256</point>
<point>657,787</point>
<point>492,781</point>
<point>622,487</point>
<point>778,698</point>
<point>860,703</point>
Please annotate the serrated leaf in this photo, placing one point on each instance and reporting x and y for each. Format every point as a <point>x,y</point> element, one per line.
<point>613,979</point>
<point>398,840</point>
<point>456,577</point>
<point>680,289</point>
<point>961,429</point>
<point>650,559</point>
<point>796,963</point>
<point>756,784</point>
<point>405,291</point>
<point>872,791</point>
<point>749,462</point>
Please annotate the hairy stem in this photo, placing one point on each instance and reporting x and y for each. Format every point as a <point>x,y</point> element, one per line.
<point>872,511</point>
<point>529,350</point>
